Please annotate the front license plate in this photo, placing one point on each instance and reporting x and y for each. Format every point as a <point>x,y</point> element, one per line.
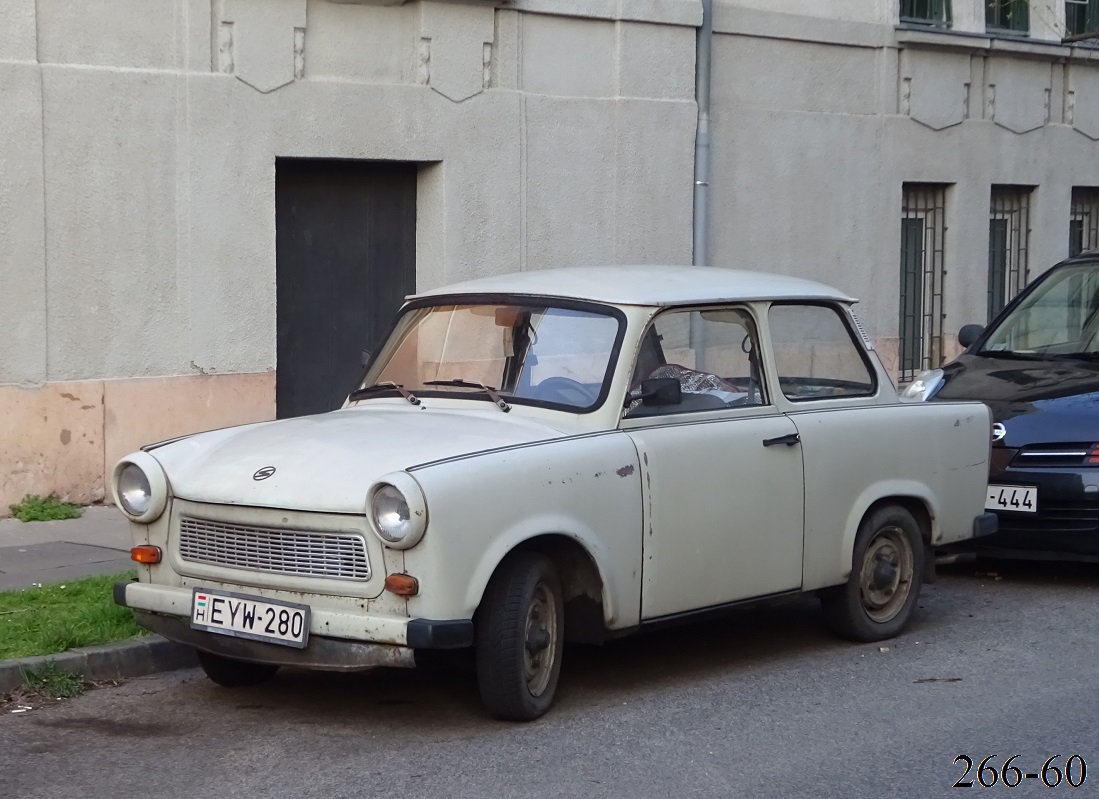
<point>1019,499</point>
<point>243,616</point>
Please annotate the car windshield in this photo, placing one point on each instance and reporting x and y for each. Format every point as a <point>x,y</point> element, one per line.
<point>1058,318</point>
<point>528,353</point>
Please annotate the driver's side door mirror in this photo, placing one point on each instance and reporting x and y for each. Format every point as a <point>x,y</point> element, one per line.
<point>660,391</point>
<point>969,334</point>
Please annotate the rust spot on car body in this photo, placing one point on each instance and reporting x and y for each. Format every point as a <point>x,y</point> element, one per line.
<point>625,471</point>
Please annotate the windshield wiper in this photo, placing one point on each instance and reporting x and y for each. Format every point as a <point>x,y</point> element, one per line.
<point>1019,356</point>
<point>366,391</point>
<point>460,383</point>
<point>1077,356</point>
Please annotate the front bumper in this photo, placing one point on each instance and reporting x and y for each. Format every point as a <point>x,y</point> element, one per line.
<point>338,641</point>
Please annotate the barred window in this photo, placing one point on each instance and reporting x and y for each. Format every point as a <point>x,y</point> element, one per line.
<point>926,12</point>
<point>1008,242</point>
<point>1083,226</point>
<point>923,240</point>
<point>1007,15</point>
<point>1081,17</point>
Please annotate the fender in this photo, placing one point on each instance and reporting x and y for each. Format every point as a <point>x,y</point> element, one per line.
<point>883,489</point>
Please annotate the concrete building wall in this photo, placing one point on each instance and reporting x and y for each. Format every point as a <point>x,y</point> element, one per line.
<point>137,154</point>
<point>138,141</point>
<point>818,124</point>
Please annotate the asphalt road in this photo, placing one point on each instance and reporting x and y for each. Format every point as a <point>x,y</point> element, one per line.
<point>765,705</point>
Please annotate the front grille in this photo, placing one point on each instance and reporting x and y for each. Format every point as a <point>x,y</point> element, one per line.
<point>1054,518</point>
<point>306,553</point>
<point>1051,455</point>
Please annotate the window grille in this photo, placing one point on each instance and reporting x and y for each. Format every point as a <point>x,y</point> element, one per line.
<point>1007,15</point>
<point>923,240</point>
<point>1083,226</point>
<point>1081,16</point>
<point>926,12</point>
<point>1008,242</point>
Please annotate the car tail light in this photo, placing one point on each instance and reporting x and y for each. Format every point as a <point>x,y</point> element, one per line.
<point>1093,455</point>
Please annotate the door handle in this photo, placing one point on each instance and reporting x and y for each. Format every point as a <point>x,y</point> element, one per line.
<point>788,440</point>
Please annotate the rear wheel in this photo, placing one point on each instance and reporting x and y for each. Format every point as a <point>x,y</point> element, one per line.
<point>234,673</point>
<point>880,596</point>
<point>519,638</point>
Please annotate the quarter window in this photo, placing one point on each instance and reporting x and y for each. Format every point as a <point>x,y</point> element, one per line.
<point>816,355</point>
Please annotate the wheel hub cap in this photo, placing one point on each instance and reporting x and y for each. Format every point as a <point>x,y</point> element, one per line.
<point>541,640</point>
<point>885,579</point>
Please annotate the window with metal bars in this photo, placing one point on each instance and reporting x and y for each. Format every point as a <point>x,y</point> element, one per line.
<point>1081,16</point>
<point>1083,225</point>
<point>1008,243</point>
<point>1007,15</point>
<point>926,12</point>
<point>923,243</point>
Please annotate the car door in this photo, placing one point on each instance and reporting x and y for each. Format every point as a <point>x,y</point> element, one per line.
<point>722,475</point>
<point>829,388</point>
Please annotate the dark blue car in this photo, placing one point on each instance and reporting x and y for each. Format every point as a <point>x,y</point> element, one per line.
<point>1037,366</point>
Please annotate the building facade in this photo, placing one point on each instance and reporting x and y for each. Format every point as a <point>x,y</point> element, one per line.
<point>199,198</point>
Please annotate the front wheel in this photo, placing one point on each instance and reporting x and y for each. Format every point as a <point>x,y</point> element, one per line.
<point>880,596</point>
<point>519,638</point>
<point>234,673</point>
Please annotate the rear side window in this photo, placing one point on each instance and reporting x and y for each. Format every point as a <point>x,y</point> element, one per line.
<point>816,354</point>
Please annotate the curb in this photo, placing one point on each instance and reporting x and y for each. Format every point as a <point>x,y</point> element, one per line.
<point>135,658</point>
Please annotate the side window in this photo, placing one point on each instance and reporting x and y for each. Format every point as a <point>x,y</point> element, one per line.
<point>816,354</point>
<point>713,354</point>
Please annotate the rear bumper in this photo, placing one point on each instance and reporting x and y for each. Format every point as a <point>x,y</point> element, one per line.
<point>985,525</point>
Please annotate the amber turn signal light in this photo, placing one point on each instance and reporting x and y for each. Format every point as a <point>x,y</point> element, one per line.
<point>145,554</point>
<point>402,584</point>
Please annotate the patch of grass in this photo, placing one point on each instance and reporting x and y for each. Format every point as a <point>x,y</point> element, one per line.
<point>45,620</point>
<point>34,508</point>
<point>53,683</point>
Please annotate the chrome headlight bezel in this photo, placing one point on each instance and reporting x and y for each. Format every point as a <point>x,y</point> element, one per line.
<point>924,387</point>
<point>157,482</point>
<point>408,490</point>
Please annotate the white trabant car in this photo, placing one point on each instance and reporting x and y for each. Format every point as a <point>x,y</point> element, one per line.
<point>558,455</point>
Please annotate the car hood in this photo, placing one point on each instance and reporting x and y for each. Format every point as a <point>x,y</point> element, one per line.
<point>1046,401</point>
<point>328,461</point>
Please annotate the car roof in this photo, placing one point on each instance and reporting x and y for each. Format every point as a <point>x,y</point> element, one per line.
<point>647,285</point>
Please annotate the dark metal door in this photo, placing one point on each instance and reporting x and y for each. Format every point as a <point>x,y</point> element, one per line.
<point>345,259</point>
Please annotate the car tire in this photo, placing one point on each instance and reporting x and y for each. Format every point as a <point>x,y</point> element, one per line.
<point>880,596</point>
<point>234,673</point>
<point>519,638</point>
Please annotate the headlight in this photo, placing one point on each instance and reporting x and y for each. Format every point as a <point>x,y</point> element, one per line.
<point>135,495</point>
<point>140,488</point>
<point>924,387</point>
<point>397,510</point>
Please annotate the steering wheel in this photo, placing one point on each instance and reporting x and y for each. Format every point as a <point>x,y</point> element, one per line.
<point>566,391</point>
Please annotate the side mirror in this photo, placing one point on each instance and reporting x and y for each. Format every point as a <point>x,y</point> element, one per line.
<point>969,334</point>
<point>661,391</point>
<point>365,358</point>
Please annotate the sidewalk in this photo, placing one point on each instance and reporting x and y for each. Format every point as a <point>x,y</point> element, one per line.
<point>53,552</point>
